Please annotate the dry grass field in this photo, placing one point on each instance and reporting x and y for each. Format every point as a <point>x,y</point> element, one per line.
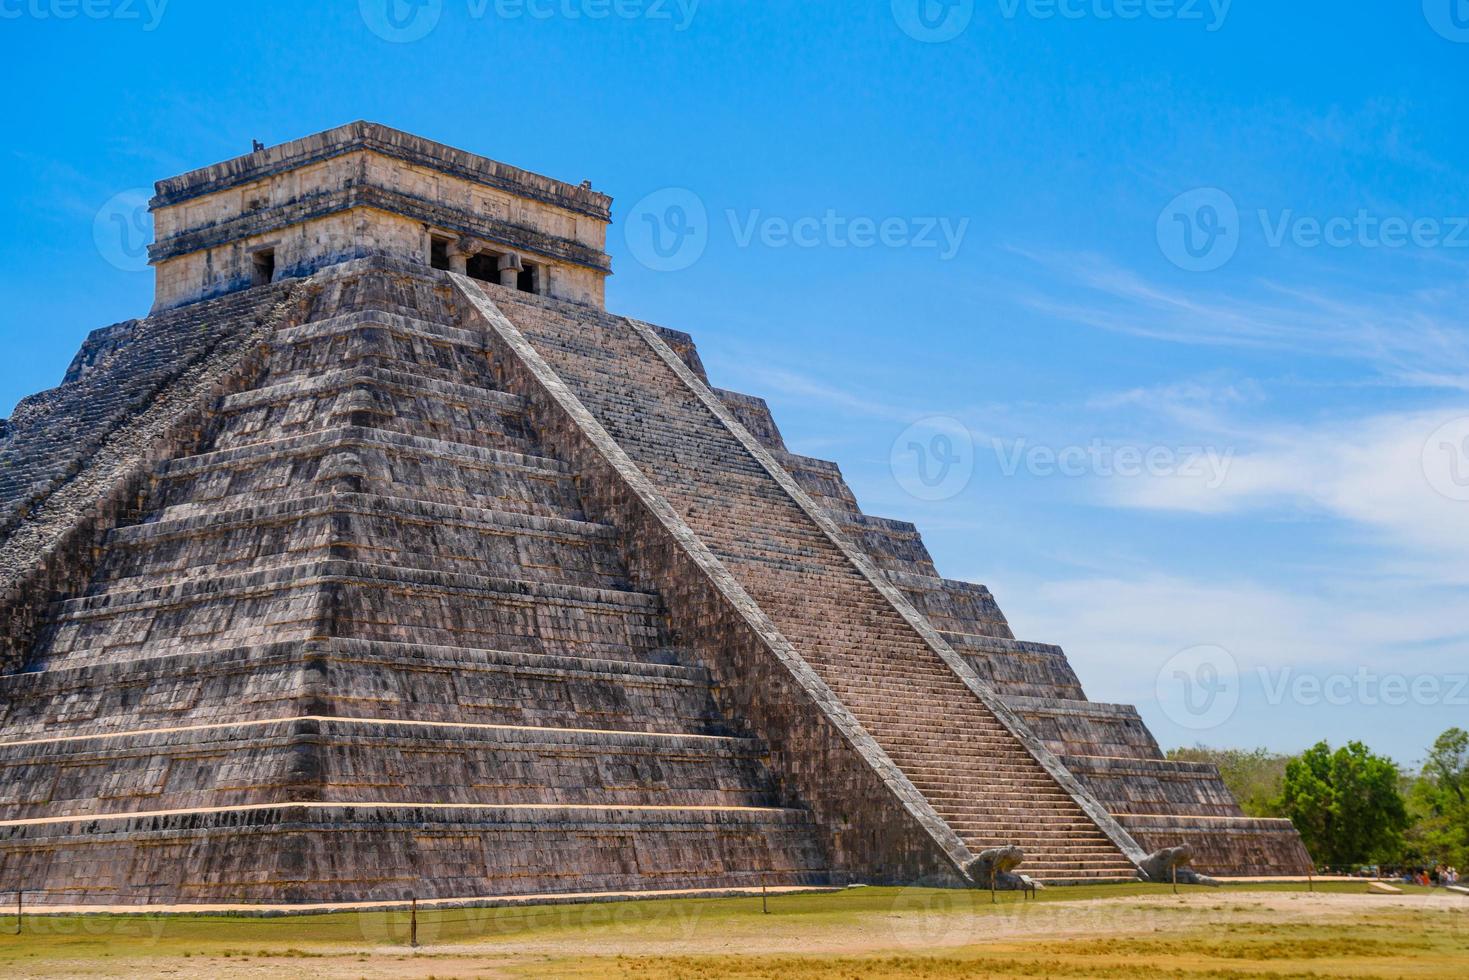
<point>1109,931</point>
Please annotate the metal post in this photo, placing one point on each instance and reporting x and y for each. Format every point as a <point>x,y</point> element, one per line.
<point>1175,879</point>
<point>994,896</point>
<point>413,923</point>
<point>1311,880</point>
<point>19,908</point>
<point>764,905</point>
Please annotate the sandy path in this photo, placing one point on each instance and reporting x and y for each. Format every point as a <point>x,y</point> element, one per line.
<point>910,927</point>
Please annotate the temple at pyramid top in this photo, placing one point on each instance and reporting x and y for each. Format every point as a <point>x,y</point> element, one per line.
<point>285,211</point>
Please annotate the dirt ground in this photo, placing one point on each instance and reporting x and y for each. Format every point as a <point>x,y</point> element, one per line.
<point>1118,932</point>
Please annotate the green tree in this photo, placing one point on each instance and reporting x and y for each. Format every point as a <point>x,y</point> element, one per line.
<point>1439,800</point>
<point>1346,804</point>
<point>1255,777</point>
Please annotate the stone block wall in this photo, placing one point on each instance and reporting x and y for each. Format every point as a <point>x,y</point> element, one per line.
<point>364,189</point>
<point>359,632</point>
<point>393,591</point>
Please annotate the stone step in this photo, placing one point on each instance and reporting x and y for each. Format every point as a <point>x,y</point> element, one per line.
<point>335,571</point>
<point>362,527</point>
<point>558,501</point>
<point>351,436</point>
<point>272,853</point>
<point>463,688</point>
<point>375,760</point>
<point>393,324</point>
<point>366,504</point>
<point>360,678</point>
<point>358,459</point>
<point>1054,845</point>
<point>353,599</point>
<point>365,397</point>
<point>383,378</point>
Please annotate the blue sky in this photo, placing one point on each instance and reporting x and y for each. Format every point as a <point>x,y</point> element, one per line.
<point>1174,289</point>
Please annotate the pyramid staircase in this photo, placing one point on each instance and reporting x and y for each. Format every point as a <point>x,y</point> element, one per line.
<point>973,768</point>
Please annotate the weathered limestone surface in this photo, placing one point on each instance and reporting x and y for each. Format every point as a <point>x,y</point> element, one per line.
<point>379,580</point>
<point>369,586</point>
<point>73,460</point>
<point>365,188</point>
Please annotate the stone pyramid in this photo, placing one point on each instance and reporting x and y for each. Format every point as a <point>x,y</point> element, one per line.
<point>381,560</point>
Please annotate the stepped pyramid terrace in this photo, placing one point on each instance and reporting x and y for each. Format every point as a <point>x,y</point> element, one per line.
<point>381,560</point>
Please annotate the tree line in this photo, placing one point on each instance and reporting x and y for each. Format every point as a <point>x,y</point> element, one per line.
<point>1353,807</point>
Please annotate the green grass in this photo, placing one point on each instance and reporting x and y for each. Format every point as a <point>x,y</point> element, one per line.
<point>1109,930</point>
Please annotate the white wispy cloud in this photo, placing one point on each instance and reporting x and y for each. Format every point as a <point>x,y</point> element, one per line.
<point>1400,476</point>
<point>1417,336</point>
